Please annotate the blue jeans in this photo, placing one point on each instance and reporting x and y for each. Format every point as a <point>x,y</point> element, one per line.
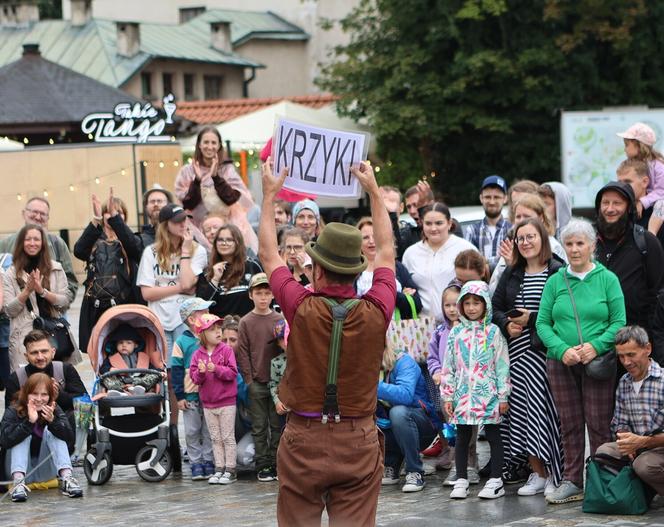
<point>19,459</point>
<point>411,432</point>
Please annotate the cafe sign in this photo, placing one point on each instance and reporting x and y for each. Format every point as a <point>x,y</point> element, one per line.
<point>131,123</point>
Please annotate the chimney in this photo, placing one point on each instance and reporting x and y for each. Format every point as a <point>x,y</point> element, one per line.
<point>221,36</point>
<point>81,12</point>
<point>128,39</point>
<point>31,50</point>
<point>19,14</point>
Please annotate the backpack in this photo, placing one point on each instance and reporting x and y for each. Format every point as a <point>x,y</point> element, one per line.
<point>109,276</point>
<point>58,374</point>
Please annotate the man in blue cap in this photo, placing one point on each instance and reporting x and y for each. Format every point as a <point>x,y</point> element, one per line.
<point>492,230</point>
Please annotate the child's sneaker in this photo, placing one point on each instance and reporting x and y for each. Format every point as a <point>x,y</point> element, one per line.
<point>197,472</point>
<point>390,476</point>
<point>267,474</point>
<point>215,479</point>
<point>208,469</point>
<point>493,489</point>
<point>460,490</point>
<point>20,492</point>
<point>70,487</point>
<point>414,482</point>
<point>228,478</point>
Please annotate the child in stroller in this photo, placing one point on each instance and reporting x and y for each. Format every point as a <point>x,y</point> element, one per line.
<point>126,350</point>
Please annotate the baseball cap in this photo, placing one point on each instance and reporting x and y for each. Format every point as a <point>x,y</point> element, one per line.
<point>640,132</point>
<point>172,212</point>
<point>191,305</point>
<point>258,279</point>
<point>494,181</point>
<point>206,321</point>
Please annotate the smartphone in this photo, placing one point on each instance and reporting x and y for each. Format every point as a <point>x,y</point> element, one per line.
<point>514,313</point>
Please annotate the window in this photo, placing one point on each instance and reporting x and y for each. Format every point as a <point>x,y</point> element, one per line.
<point>212,85</point>
<point>189,88</point>
<point>167,83</point>
<point>146,84</point>
<point>187,13</point>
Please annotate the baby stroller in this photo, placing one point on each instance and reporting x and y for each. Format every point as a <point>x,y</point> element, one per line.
<point>132,429</point>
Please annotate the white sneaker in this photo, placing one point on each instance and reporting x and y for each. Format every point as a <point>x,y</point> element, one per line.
<point>493,489</point>
<point>549,488</point>
<point>460,490</point>
<point>429,470</point>
<point>228,478</point>
<point>215,479</point>
<point>535,485</point>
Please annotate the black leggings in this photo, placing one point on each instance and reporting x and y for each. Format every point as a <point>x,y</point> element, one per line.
<point>464,432</point>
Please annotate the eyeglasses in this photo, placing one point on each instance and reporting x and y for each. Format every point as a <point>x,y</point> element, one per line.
<point>157,202</point>
<point>37,213</point>
<point>293,248</point>
<point>225,241</point>
<point>530,238</point>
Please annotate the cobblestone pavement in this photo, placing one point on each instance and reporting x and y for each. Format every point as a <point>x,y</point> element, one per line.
<point>128,500</point>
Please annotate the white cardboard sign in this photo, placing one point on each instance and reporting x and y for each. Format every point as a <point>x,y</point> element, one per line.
<point>319,159</point>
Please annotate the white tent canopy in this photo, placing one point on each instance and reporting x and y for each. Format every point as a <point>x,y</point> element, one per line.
<point>251,131</point>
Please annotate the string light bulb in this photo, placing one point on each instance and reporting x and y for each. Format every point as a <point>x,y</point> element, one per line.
<point>161,164</point>
<point>45,193</point>
<point>90,136</point>
<point>19,197</point>
<point>71,188</point>
<point>237,164</point>
<point>145,163</point>
<point>251,152</point>
<point>123,172</point>
<point>50,141</point>
<point>25,140</point>
<point>97,181</point>
<point>176,163</point>
<point>190,160</point>
<point>377,170</point>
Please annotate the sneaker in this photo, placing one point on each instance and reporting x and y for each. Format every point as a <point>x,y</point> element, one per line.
<point>473,476</point>
<point>566,492</point>
<point>198,472</point>
<point>20,492</point>
<point>215,479</point>
<point>208,469</point>
<point>228,478</point>
<point>414,482</point>
<point>428,470</point>
<point>549,488</point>
<point>516,475</point>
<point>138,390</point>
<point>390,476</point>
<point>185,455</point>
<point>451,478</point>
<point>70,487</point>
<point>267,474</point>
<point>435,449</point>
<point>493,489</point>
<point>460,490</point>
<point>535,485</point>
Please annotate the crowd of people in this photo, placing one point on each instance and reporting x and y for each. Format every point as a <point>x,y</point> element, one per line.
<point>538,317</point>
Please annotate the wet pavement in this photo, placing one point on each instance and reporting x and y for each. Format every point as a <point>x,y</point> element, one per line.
<point>128,500</point>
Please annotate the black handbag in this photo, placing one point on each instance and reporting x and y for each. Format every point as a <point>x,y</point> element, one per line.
<point>603,366</point>
<point>58,330</point>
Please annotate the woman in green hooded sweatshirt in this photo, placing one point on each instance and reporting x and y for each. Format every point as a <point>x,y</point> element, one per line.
<point>594,292</point>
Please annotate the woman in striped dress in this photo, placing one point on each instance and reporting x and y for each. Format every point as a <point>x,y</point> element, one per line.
<point>531,430</point>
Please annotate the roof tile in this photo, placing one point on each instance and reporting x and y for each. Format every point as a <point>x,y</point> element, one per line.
<point>219,111</point>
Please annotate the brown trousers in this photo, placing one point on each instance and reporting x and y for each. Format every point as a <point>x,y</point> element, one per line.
<point>648,465</point>
<point>334,465</point>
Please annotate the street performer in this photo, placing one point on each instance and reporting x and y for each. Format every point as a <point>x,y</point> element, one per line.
<point>330,451</point>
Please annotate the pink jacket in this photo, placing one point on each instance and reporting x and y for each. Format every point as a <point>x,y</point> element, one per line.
<point>219,387</point>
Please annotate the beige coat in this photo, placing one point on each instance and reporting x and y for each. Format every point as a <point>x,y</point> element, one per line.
<point>20,317</point>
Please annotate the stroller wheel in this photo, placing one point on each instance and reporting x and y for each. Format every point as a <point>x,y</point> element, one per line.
<point>159,471</point>
<point>103,472</point>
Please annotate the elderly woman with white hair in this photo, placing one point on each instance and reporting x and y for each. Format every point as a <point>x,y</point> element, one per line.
<point>581,310</point>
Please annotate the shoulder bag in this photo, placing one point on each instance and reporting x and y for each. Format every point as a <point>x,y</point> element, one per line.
<point>603,366</point>
<point>411,335</point>
<point>58,329</point>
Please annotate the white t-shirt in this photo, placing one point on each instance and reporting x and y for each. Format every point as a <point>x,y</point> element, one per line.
<point>433,271</point>
<point>582,275</point>
<point>636,386</point>
<point>150,274</point>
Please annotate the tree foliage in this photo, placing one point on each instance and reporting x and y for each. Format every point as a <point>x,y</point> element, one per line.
<point>467,88</point>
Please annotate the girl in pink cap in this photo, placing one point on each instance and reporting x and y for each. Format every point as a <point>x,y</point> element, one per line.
<point>214,370</point>
<point>639,141</point>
